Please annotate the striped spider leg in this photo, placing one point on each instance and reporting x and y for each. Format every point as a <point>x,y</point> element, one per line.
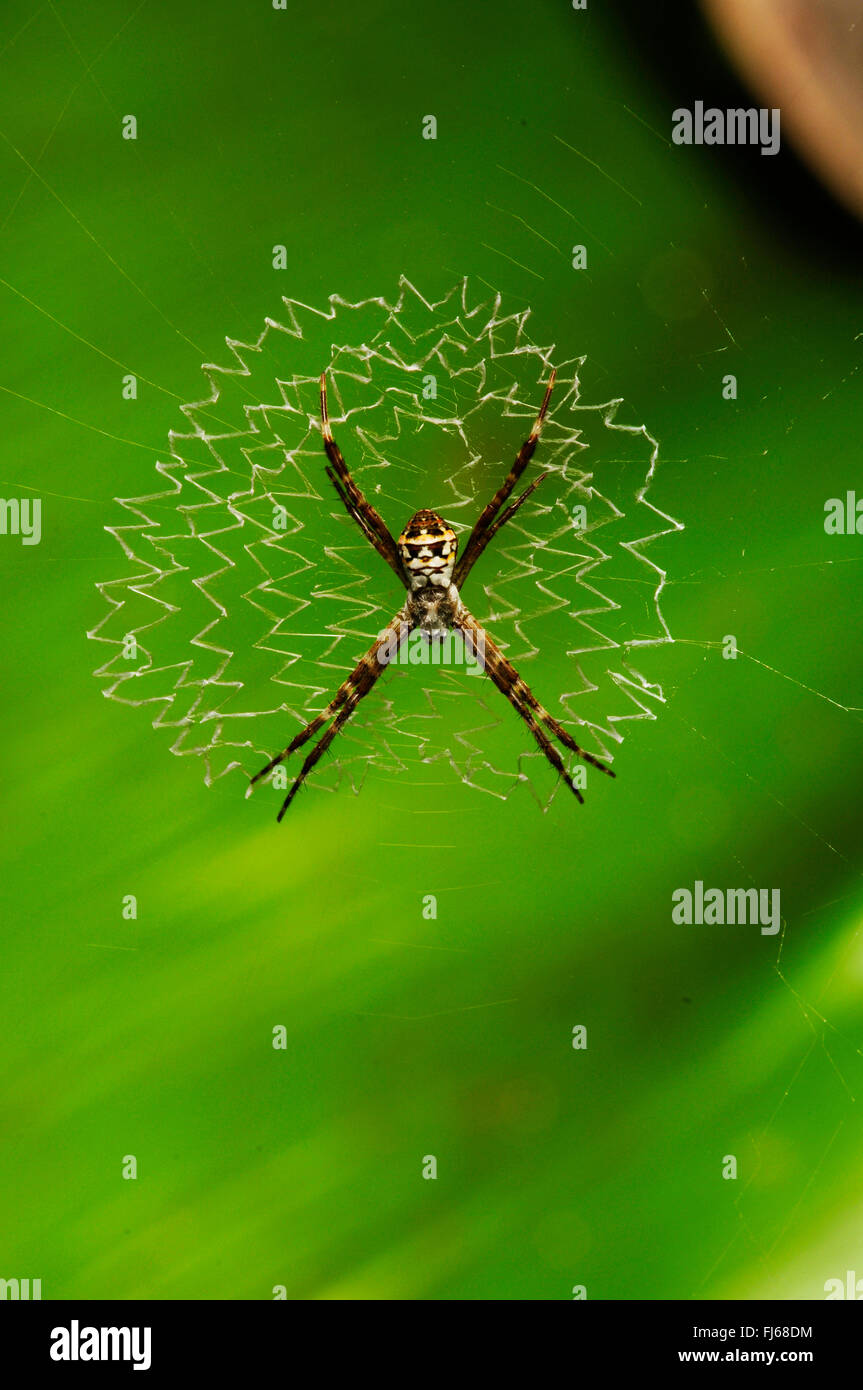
<point>524,702</point>
<point>340,708</point>
<point>485,526</point>
<point>364,514</point>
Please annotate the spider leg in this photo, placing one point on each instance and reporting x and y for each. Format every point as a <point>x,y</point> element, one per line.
<point>491,531</point>
<point>561,733</point>
<point>323,744</point>
<point>541,737</point>
<point>524,702</point>
<point>305,734</point>
<point>370,522</point>
<point>342,706</point>
<point>476,544</point>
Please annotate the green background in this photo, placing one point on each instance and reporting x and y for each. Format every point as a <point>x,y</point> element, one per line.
<point>409,1037</point>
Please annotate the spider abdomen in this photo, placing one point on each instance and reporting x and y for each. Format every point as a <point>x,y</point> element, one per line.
<point>427,547</point>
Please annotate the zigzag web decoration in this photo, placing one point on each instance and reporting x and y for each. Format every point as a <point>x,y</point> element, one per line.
<point>249,594</point>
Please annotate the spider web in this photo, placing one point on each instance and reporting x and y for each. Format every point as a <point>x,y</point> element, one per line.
<point>250,594</point>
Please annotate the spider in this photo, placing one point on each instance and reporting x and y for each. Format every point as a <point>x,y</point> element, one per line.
<point>424,561</point>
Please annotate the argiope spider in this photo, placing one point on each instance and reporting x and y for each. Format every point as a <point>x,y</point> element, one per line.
<point>424,560</point>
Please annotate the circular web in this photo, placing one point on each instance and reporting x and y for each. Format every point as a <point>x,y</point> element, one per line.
<point>250,593</point>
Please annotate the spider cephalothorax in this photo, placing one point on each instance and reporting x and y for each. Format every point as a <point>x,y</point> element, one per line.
<point>424,561</point>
